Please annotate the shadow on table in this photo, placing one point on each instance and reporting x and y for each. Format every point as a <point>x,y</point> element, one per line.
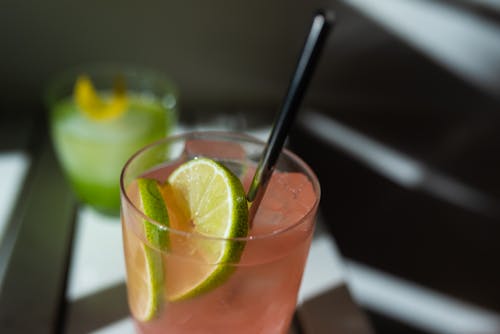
<point>331,312</point>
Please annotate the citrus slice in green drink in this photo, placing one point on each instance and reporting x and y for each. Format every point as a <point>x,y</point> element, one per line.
<point>97,108</point>
<point>147,283</point>
<point>215,207</point>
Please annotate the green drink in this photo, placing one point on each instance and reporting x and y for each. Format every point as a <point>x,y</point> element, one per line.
<point>93,151</point>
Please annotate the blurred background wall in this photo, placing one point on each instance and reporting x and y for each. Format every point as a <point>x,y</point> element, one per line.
<point>230,51</point>
<point>235,52</point>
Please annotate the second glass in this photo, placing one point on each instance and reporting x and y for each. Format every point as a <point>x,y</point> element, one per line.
<point>93,149</point>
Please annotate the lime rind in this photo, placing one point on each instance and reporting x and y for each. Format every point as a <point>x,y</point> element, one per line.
<point>154,207</point>
<point>231,249</point>
<point>154,286</point>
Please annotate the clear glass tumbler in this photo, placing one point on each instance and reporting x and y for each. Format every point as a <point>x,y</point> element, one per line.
<point>258,292</point>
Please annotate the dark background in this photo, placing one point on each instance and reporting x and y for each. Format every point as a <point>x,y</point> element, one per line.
<point>237,52</point>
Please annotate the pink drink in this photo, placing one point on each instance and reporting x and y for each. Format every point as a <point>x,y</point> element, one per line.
<point>260,295</point>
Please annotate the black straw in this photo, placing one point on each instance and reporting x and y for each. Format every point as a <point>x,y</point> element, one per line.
<point>322,21</point>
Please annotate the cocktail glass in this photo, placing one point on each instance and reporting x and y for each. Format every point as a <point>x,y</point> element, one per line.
<point>92,152</point>
<point>260,293</point>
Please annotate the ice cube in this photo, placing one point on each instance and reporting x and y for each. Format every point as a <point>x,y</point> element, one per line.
<point>288,198</point>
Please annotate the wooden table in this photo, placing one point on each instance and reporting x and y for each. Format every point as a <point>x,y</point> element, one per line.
<point>43,247</point>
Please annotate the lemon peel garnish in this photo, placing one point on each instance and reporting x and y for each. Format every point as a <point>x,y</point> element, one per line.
<point>97,108</point>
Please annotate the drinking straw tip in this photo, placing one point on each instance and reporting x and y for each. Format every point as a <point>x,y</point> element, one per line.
<point>327,14</point>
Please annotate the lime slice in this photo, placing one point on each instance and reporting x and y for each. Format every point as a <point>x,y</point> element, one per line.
<point>146,290</point>
<point>153,205</point>
<point>145,285</point>
<point>96,108</point>
<point>215,205</point>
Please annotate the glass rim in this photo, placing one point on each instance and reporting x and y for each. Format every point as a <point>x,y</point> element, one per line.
<point>227,134</point>
<point>59,80</point>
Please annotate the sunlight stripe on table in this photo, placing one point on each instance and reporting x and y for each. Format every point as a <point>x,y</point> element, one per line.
<point>400,168</point>
<point>13,168</point>
<point>124,326</point>
<point>417,305</point>
<point>458,40</point>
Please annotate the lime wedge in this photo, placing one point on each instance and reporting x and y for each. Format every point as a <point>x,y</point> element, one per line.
<point>215,206</point>
<point>146,288</point>
<point>97,108</point>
